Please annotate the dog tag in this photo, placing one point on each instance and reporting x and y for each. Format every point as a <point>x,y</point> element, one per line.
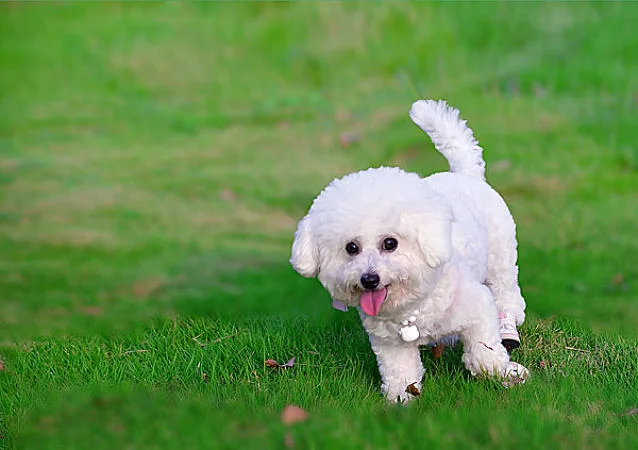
<point>409,333</point>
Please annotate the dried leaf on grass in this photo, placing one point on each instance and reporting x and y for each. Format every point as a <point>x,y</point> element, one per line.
<point>293,414</point>
<point>631,412</point>
<point>290,363</point>
<point>1,364</point>
<point>413,390</point>
<point>438,351</point>
<point>273,364</point>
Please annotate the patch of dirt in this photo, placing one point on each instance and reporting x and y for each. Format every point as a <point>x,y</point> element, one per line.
<point>166,64</point>
<point>78,200</point>
<point>246,218</point>
<point>10,164</point>
<point>533,186</point>
<point>145,288</point>
<point>82,238</point>
<point>404,157</point>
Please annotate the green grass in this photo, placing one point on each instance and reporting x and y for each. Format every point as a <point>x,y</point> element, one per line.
<point>154,161</point>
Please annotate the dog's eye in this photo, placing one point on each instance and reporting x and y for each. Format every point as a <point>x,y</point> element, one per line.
<point>352,248</point>
<point>390,244</point>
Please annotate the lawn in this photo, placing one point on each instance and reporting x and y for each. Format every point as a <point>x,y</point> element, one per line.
<point>156,157</point>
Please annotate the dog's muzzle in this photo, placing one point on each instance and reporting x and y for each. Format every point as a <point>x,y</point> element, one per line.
<point>370,280</point>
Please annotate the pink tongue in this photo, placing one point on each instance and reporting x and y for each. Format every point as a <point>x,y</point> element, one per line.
<point>371,301</point>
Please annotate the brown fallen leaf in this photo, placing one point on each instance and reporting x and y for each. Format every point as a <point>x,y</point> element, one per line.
<point>271,363</point>
<point>437,351</point>
<point>413,390</point>
<point>1,364</point>
<point>544,364</point>
<point>293,414</point>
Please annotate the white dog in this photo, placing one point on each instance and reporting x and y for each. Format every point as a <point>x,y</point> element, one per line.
<point>423,259</point>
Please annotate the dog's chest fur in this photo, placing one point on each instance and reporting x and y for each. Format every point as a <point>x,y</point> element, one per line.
<point>432,316</point>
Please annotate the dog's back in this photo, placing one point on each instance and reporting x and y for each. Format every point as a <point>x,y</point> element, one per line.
<point>476,206</point>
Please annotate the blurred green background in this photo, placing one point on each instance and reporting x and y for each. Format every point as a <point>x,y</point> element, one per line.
<point>156,157</point>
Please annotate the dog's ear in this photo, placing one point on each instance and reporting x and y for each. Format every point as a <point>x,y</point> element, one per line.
<point>433,231</point>
<point>305,252</point>
<point>436,242</point>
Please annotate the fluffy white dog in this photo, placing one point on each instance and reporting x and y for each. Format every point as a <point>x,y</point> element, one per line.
<point>422,259</point>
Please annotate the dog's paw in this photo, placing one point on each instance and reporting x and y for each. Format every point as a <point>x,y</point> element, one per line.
<point>403,395</point>
<point>514,374</point>
<point>482,359</point>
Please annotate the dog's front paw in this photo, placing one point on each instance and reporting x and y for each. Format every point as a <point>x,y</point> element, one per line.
<point>486,360</point>
<point>401,395</point>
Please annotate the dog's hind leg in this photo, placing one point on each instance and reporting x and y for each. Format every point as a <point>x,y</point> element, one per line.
<point>483,352</point>
<point>503,283</point>
<point>502,280</point>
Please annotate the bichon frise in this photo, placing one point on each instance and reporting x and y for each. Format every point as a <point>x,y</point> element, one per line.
<point>423,259</point>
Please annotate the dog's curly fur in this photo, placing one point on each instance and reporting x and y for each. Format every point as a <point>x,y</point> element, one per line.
<point>454,266</point>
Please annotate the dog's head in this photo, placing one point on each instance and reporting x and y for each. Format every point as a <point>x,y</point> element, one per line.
<point>375,239</point>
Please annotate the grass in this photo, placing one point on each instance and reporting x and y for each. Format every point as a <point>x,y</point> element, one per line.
<point>162,388</point>
<point>155,159</point>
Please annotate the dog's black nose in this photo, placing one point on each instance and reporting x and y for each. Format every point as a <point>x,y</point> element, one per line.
<point>370,280</point>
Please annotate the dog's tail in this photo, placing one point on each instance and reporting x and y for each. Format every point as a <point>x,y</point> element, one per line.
<point>451,136</point>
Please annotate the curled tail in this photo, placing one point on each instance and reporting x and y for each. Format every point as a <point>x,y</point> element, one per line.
<point>451,136</point>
